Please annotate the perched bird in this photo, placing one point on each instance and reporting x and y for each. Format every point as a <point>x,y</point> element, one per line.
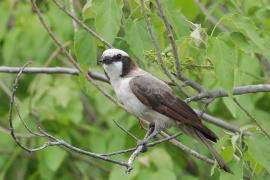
<point>149,98</point>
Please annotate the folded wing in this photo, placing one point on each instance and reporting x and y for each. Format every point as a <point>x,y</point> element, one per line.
<point>153,93</point>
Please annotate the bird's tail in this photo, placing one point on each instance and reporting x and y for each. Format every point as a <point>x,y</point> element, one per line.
<point>214,153</point>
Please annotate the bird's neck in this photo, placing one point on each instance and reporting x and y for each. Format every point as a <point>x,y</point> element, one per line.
<point>136,71</point>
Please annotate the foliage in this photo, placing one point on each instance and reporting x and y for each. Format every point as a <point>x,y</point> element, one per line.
<point>72,109</point>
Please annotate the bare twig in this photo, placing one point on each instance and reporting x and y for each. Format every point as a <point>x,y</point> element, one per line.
<point>147,145</point>
<point>19,135</point>
<point>126,131</point>
<point>4,87</point>
<point>171,39</point>
<point>159,56</point>
<point>177,61</point>
<point>81,24</point>
<point>236,91</point>
<point>139,149</point>
<point>69,56</point>
<point>53,140</point>
<point>265,65</point>
<point>199,88</point>
<point>53,70</point>
<point>72,12</point>
<point>251,117</point>
<point>209,17</point>
<point>189,150</point>
<point>221,123</point>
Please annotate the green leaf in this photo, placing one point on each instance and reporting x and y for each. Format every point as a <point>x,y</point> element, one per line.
<point>85,47</point>
<point>108,19</point>
<point>242,42</point>
<point>176,18</point>
<point>161,159</point>
<point>138,38</point>
<point>227,154</point>
<point>232,107</point>
<point>88,10</point>
<point>9,47</point>
<point>4,14</point>
<point>53,157</point>
<point>259,149</point>
<point>237,168</point>
<point>161,174</point>
<point>223,58</point>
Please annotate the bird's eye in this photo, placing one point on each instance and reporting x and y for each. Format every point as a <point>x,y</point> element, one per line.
<point>119,56</point>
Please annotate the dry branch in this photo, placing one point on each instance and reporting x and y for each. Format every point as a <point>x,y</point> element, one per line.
<point>236,91</point>
<point>81,24</point>
<point>252,118</point>
<point>158,51</point>
<point>171,39</point>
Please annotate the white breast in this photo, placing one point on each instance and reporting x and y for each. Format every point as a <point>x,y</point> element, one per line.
<point>136,107</point>
<point>126,96</point>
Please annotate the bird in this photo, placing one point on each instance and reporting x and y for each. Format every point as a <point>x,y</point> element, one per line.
<point>149,98</point>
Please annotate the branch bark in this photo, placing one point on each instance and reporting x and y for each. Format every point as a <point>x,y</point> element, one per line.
<point>53,70</point>
<point>81,24</point>
<point>171,39</point>
<point>158,51</point>
<point>236,91</point>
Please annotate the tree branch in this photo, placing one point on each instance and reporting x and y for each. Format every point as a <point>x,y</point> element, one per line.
<point>171,39</point>
<point>236,91</point>
<point>209,17</point>
<point>252,118</point>
<point>221,123</point>
<point>53,70</point>
<point>53,141</point>
<point>68,55</point>
<point>81,24</point>
<point>189,150</point>
<point>158,52</point>
<point>72,12</point>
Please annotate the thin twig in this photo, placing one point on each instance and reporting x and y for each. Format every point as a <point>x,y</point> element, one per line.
<point>55,141</point>
<point>251,117</point>
<point>4,87</point>
<point>126,131</point>
<point>171,39</point>
<point>147,145</point>
<point>19,135</point>
<point>220,123</point>
<point>209,17</point>
<point>189,150</point>
<point>81,24</point>
<point>72,12</point>
<point>69,56</point>
<point>199,88</point>
<point>53,70</point>
<point>236,91</point>
<point>158,52</point>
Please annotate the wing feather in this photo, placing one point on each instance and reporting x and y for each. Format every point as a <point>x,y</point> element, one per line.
<point>155,94</point>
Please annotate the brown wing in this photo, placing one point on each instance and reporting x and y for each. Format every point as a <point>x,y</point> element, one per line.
<point>155,94</point>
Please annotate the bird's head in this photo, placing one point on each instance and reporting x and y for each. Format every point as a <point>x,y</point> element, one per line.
<point>116,63</point>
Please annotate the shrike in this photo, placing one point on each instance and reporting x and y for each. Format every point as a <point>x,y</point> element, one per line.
<point>149,98</point>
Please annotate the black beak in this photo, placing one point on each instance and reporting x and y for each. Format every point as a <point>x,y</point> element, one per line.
<point>104,60</point>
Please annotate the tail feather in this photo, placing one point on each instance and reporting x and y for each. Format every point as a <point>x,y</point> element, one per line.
<point>212,150</point>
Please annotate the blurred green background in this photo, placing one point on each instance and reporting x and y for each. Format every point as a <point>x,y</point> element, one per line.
<point>72,109</point>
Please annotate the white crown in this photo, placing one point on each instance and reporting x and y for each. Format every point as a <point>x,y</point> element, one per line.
<point>114,52</point>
